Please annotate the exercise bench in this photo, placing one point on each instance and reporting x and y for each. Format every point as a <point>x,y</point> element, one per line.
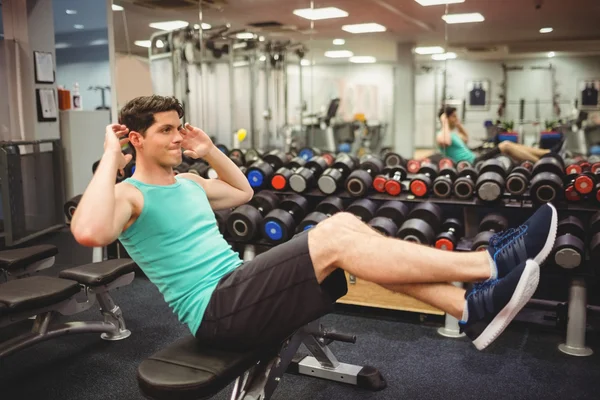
<point>23,262</point>
<point>186,370</point>
<point>44,296</point>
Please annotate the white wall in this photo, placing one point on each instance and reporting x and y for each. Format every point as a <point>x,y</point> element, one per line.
<point>528,84</point>
<point>132,78</point>
<point>88,67</point>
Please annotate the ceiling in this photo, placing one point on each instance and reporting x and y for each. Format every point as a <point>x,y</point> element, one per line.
<point>511,27</point>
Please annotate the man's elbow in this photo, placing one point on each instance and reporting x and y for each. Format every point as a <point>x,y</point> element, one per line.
<point>90,237</point>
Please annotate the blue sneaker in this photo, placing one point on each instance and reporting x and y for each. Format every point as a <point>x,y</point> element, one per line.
<point>533,240</point>
<point>494,304</point>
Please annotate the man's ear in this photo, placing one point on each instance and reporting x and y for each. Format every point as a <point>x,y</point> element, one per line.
<point>135,138</point>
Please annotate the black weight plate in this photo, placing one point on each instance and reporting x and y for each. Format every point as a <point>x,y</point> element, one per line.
<point>493,165</point>
<point>429,169</point>
<point>285,221</point>
<point>494,223</point>
<point>311,219</point>
<point>358,183</point>
<point>428,212</point>
<point>481,241</point>
<point>463,188</point>
<point>276,158</point>
<point>595,223</point>
<point>329,181</point>
<point>363,208</point>
<point>296,204</point>
<point>392,159</point>
<point>568,251</point>
<point>449,172</point>
<point>571,225</point>
<point>221,218</point>
<point>546,187</point>
<point>516,183</point>
<point>265,201</point>
<point>417,231</point>
<point>595,247</point>
<point>548,164</point>
<point>244,222</point>
<point>394,210</point>
<point>490,186</point>
<point>302,179</point>
<point>371,163</point>
<point>442,187</point>
<point>469,172</point>
<point>384,225</point>
<point>330,205</point>
<point>455,224</point>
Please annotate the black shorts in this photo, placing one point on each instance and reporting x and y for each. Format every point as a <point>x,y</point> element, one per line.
<point>266,300</point>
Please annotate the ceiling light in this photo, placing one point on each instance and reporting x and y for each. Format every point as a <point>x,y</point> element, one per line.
<point>78,26</point>
<point>443,57</point>
<point>438,2</point>
<point>61,45</point>
<point>169,25</point>
<point>160,44</point>
<point>463,18</point>
<point>546,30</point>
<point>362,59</point>
<point>551,54</point>
<point>262,58</point>
<point>261,38</point>
<point>429,50</point>
<point>205,26</point>
<point>306,63</point>
<point>320,13</point>
<point>245,35</point>
<point>142,43</point>
<point>71,12</point>
<point>339,54</point>
<point>339,42</point>
<point>240,64</point>
<point>364,28</point>
<point>117,8</point>
<point>98,42</point>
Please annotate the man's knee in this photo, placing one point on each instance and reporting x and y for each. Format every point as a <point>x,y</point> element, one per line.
<point>505,145</point>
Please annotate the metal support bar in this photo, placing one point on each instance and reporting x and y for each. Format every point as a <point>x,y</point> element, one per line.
<point>576,327</point>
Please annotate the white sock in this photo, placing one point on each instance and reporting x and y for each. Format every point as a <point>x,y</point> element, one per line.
<point>493,267</point>
<point>465,316</point>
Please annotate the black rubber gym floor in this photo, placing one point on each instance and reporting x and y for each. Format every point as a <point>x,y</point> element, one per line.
<point>524,363</point>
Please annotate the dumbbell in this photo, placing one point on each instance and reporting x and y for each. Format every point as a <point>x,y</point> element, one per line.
<point>282,176</point>
<point>412,166</point>
<point>464,185</point>
<point>221,216</point>
<point>237,156</point>
<point>547,179</point>
<point>305,178</point>
<point>488,227</point>
<point>364,209</point>
<point>585,182</point>
<point>181,168</point>
<point>70,207</point>
<point>200,169</point>
<point>462,165</point>
<point>452,230</point>
<point>245,222</point>
<point>490,184</point>
<point>445,163</point>
<point>326,208</point>
<point>360,180</point>
<point>260,172</point>
<point>517,181</point>
<point>594,232</point>
<point>569,247</point>
<point>390,180</point>
<point>309,152</point>
<point>391,159</point>
<point>421,183</point>
<point>333,178</point>
<point>442,185</point>
<point>422,224</point>
<point>389,217</point>
<point>280,224</point>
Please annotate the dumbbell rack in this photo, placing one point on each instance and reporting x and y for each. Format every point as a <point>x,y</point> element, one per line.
<point>470,210</point>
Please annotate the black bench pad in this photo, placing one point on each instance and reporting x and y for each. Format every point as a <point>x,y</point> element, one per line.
<point>100,273</point>
<point>185,370</point>
<point>20,258</point>
<point>37,291</point>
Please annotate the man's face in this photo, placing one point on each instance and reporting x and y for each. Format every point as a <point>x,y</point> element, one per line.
<point>452,119</point>
<point>162,143</point>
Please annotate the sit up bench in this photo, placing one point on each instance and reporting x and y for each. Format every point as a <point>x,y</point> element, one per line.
<point>186,370</point>
<point>44,296</point>
<point>19,263</point>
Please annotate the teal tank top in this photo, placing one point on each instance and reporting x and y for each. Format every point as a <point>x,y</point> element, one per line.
<point>177,244</point>
<point>458,150</point>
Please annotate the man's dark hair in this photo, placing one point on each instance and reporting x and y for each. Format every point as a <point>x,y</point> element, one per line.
<point>138,114</point>
<point>448,110</point>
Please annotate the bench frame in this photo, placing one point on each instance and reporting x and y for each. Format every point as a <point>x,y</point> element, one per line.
<point>112,328</point>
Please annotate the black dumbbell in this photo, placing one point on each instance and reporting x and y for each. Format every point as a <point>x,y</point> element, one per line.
<point>391,159</point>
<point>517,181</point>
<point>360,180</point>
<point>199,168</point>
<point>423,181</point>
<point>488,227</point>
<point>181,168</point>
<point>238,157</point>
<point>364,209</point>
<point>251,156</point>
<point>389,217</point>
<point>452,230</point>
<point>221,216</point>
<point>334,177</point>
<point>245,222</point>
<point>569,246</point>
<point>280,224</point>
<point>462,165</point>
<point>594,232</point>
<point>422,224</point>
<point>491,182</point>
<point>282,176</point>
<point>70,207</point>
<point>442,185</point>
<point>305,178</point>
<point>326,208</point>
<point>260,172</point>
<point>464,185</point>
<point>547,179</point>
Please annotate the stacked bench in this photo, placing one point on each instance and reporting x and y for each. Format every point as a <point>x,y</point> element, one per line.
<point>23,296</point>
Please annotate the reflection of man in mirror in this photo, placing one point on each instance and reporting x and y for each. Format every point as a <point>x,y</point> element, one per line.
<point>477,95</point>
<point>589,94</point>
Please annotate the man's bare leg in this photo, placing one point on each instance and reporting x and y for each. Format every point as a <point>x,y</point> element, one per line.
<point>521,152</point>
<point>340,242</point>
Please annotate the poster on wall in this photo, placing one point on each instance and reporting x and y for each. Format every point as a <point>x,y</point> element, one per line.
<point>587,92</point>
<point>478,95</point>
